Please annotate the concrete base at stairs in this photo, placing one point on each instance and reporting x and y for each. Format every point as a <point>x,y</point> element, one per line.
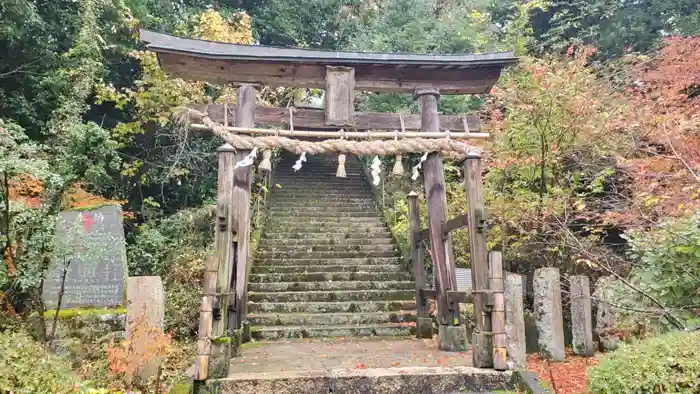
<point>355,365</point>
<point>423,380</point>
<point>453,338</point>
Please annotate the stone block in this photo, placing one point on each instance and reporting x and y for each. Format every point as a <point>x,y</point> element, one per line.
<point>453,338</point>
<point>424,326</point>
<point>548,313</point>
<point>145,302</point>
<point>605,317</point>
<point>581,319</point>
<point>145,318</point>
<point>482,350</point>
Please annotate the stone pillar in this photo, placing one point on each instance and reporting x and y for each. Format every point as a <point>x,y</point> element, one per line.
<point>605,317</point>
<point>581,319</point>
<point>145,317</point>
<point>515,321</point>
<point>548,313</point>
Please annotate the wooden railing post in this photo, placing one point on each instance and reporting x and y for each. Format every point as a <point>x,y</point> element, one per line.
<point>498,313</point>
<point>424,323</point>
<point>515,320</point>
<point>452,332</point>
<point>242,180</point>
<point>476,215</point>
<point>204,333</point>
<point>221,343</point>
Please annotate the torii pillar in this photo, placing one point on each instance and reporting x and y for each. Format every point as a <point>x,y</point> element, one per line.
<point>452,331</point>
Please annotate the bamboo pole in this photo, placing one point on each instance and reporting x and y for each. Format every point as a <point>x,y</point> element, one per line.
<point>349,134</point>
<point>498,313</point>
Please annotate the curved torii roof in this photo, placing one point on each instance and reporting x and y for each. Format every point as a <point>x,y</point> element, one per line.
<point>220,62</point>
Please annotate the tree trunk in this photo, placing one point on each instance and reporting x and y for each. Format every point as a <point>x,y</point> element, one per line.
<point>61,291</point>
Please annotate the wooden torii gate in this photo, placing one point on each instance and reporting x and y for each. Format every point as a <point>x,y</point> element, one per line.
<point>340,74</point>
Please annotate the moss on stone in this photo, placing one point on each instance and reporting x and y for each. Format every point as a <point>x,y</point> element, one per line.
<point>221,340</point>
<point>78,312</point>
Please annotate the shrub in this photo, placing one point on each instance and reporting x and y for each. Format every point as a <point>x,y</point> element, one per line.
<point>664,364</point>
<point>27,367</point>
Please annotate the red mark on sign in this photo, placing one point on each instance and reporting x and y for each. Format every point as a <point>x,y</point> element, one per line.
<point>88,221</point>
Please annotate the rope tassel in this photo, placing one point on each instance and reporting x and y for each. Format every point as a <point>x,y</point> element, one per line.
<point>297,165</point>
<point>248,160</point>
<point>418,166</point>
<point>341,166</point>
<point>376,169</point>
<point>398,165</point>
<point>266,163</point>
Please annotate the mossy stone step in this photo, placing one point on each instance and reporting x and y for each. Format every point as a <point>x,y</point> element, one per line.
<point>319,261</point>
<point>329,319</point>
<point>327,269</point>
<point>330,296</point>
<point>331,307</point>
<point>331,276</point>
<point>279,242</point>
<point>330,286</point>
<point>349,235</point>
<point>324,227</point>
<point>321,217</point>
<point>310,194</point>
<point>369,330</point>
<point>282,254</point>
<point>294,248</point>
<point>310,209</point>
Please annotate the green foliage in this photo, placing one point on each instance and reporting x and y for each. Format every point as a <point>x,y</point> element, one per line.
<point>326,24</point>
<point>666,266</point>
<point>175,248</point>
<point>27,367</point>
<point>616,27</point>
<point>665,364</point>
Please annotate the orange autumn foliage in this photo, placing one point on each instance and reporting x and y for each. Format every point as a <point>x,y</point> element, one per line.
<point>666,93</point>
<point>79,198</point>
<point>26,188</point>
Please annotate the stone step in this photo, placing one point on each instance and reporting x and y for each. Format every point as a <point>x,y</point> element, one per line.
<point>329,286</point>
<point>312,192</point>
<point>330,277</point>
<point>316,229</point>
<point>271,243</point>
<point>368,330</point>
<point>295,248</point>
<point>331,307</point>
<point>354,178</point>
<point>332,210</point>
<point>326,269</point>
<point>330,319</point>
<point>325,206</point>
<point>373,380</point>
<point>303,214</point>
<point>330,296</point>
<point>321,193</point>
<point>318,261</point>
<point>320,198</point>
<point>342,235</point>
<point>323,227</point>
<point>286,255</point>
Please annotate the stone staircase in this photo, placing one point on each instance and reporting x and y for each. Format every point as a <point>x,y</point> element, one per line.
<point>326,265</point>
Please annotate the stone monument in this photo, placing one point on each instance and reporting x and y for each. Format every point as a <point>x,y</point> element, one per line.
<point>90,248</point>
<point>548,313</point>
<point>581,318</point>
